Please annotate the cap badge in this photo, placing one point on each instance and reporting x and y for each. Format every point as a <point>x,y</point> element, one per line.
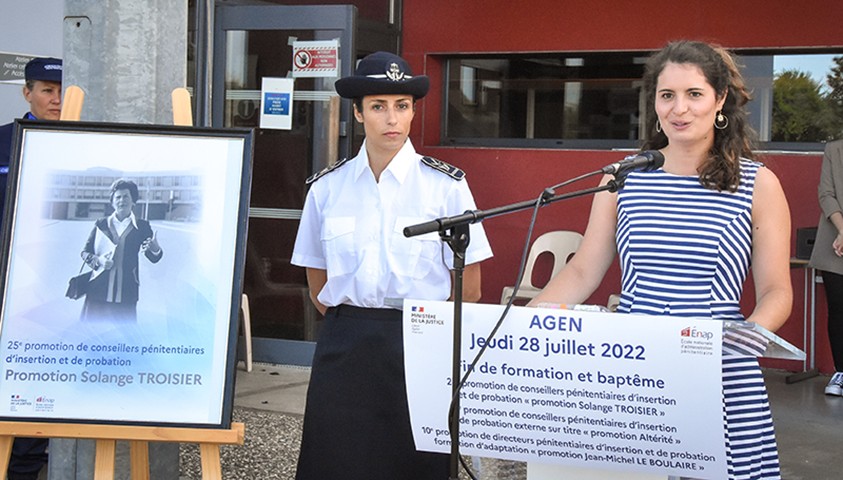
<point>394,73</point>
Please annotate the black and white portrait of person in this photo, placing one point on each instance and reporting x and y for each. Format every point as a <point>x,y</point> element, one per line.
<point>112,252</point>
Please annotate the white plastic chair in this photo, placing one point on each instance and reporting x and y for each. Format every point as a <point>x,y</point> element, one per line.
<point>561,244</point>
<point>613,302</point>
<point>247,329</point>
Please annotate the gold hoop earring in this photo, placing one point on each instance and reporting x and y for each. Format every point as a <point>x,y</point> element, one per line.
<point>721,121</point>
<point>658,126</point>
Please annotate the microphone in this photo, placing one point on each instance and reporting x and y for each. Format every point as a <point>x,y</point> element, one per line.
<point>646,161</point>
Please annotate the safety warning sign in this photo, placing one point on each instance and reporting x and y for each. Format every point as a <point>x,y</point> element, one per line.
<point>316,59</point>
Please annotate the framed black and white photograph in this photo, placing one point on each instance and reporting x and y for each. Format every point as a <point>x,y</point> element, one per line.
<point>121,276</point>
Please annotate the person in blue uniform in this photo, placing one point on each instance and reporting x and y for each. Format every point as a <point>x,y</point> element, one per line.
<point>42,90</point>
<point>359,268</point>
<point>686,233</point>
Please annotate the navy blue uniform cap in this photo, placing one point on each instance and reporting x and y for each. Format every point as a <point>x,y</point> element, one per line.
<point>383,73</point>
<point>44,69</point>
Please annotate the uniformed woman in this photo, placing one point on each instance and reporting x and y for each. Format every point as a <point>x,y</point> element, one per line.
<point>359,268</point>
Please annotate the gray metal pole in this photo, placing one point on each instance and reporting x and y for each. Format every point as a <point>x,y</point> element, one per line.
<point>127,57</point>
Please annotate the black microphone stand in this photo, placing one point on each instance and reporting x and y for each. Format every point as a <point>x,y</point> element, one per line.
<point>454,231</point>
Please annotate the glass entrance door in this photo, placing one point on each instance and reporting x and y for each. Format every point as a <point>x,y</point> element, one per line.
<point>251,43</point>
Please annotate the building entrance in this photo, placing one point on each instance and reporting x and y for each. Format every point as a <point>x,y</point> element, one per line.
<point>252,43</point>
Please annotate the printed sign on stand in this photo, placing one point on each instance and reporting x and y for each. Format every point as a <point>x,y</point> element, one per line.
<point>152,339</point>
<point>633,393</point>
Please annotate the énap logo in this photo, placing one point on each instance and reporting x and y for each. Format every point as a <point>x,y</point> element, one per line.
<point>45,404</point>
<point>692,332</point>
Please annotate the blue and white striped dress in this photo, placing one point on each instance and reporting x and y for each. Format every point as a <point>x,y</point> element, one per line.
<point>685,251</point>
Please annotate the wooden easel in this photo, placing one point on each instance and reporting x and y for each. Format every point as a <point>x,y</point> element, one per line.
<point>106,436</point>
<point>71,108</point>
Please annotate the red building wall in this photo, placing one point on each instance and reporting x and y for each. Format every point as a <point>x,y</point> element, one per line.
<point>433,29</point>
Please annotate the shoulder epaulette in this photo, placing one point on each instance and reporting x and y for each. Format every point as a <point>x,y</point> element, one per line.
<point>325,171</point>
<point>443,167</point>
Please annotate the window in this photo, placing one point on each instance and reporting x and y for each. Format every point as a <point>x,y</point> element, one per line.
<point>807,98</point>
<point>595,100</point>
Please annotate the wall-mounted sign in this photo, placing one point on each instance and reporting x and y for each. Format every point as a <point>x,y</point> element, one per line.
<point>11,67</point>
<point>277,103</point>
<point>316,58</point>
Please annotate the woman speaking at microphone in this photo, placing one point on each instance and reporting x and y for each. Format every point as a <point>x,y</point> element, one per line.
<point>687,233</point>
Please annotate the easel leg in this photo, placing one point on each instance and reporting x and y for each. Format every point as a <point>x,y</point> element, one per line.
<point>104,461</point>
<point>210,453</point>
<point>139,459</point>
<point>5,452</point>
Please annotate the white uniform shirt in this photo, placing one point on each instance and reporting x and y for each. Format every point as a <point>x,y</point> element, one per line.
<point>352,226</point>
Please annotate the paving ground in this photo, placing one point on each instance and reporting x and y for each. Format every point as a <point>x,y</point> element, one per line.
<point>270,401</point>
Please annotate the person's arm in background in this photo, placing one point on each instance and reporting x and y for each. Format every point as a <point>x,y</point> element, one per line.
<point>836,218</point>
<point>830,203</point>
<point>471,291</point>
<point>770,252</point>
<point>316,280</point>
<point>459,200</point>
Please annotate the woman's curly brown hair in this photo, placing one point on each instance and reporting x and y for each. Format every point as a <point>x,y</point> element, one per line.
<point>721,171</point>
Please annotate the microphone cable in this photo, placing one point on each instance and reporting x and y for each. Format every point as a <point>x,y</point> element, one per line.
<point>546,194</point>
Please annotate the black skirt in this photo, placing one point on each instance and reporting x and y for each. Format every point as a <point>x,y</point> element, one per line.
<point>356,422</point>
